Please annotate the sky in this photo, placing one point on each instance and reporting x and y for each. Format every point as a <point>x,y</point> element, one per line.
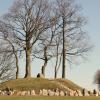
<point>82,74</point>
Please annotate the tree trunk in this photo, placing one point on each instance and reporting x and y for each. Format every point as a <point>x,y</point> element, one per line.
<point>55,73</point>
<point>64,55</point>
<point>17,67</point>
<point>43,69</point>
<point>28,56</point>
<point>56,65</point>
<point>63,66</point>
<point>16,57</point>
<point>28,64</point>
<point>45,61</point>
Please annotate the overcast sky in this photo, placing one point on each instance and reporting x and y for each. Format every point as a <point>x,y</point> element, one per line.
<point>84,73</point>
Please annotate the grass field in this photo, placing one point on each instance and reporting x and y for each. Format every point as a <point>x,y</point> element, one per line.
<point>46,98</point>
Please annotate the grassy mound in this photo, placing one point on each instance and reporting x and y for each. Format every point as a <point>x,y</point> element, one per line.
<point>69,84</point>
<point>29,84</point>
<point>37,84</point>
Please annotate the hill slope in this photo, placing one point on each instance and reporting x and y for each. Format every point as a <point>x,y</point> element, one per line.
<point>38,83</point>
<point>69,84</point>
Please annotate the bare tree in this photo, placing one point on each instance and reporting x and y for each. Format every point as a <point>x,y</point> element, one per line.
<point>74,40</point>
<point>68,39</point>
<point>58,57</point>
<point>44,49</point>
<point>97,79</point>
<point>6,35</point>
<point>27,19</point>
<point>7,63</point>
<point>48,44</point>
<point>46,33</point>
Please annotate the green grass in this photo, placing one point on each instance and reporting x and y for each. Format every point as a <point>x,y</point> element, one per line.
<point>46,98</point>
